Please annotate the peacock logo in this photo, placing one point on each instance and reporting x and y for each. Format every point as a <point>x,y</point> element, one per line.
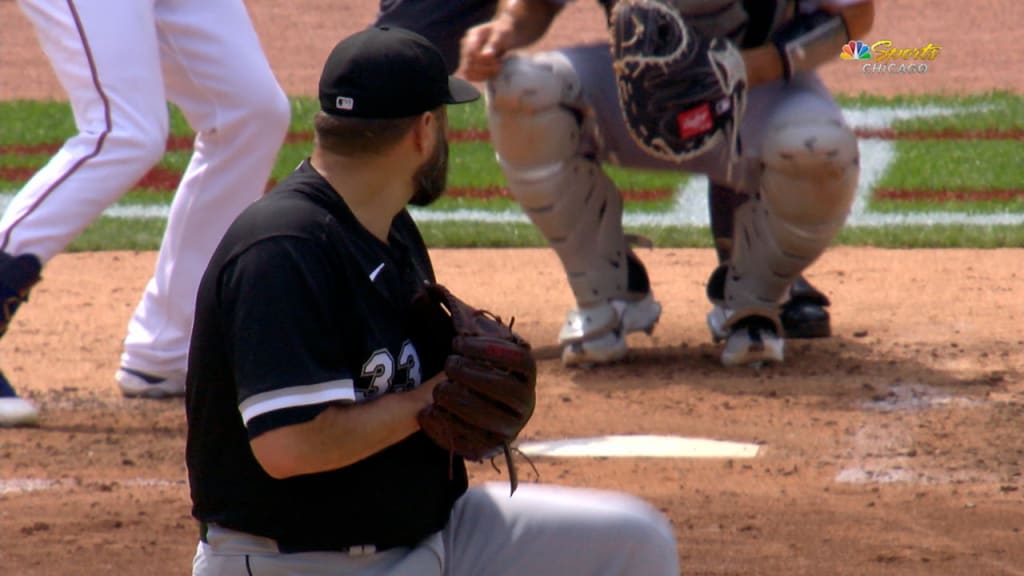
<point>856,50</point>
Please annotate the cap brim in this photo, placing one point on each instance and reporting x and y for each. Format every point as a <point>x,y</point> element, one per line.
<point>460,91</point>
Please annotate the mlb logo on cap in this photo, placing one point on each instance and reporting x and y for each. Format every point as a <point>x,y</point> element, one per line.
<point>393,72</point>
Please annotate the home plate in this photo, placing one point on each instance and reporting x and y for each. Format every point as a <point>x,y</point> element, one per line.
<point>640,446</point>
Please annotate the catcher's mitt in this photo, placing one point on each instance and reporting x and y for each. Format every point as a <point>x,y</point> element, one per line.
<point>681,93</point>
<point>490,391</point>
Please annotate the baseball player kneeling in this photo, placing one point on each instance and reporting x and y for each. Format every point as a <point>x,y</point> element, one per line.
<point>725,88</point>
<point>335,390</point>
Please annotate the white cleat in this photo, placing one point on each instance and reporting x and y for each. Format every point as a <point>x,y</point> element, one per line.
<point>17,411</point>
<point>601,350</point>
<point>716,323</point>
<point>639,315</point>
<point>753,342</point>
<point>593,336</point>
<point>136,384</point>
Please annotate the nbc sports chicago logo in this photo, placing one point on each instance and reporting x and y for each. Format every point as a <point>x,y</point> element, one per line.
<point>883,57</point>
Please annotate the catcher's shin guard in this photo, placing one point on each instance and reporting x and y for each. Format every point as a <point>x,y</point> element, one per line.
<point>544,134</point>
<point>17,276</point>
<point>540,127</point>
<point>750,339</point>
<point>804,313</point>
<point>597,334</point>
<point>808,176</point>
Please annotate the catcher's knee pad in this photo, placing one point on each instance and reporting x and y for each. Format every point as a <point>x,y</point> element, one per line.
<point>810,168</point>
<point>807,182</point>
<point>537,121</point>
<point>535,110</point>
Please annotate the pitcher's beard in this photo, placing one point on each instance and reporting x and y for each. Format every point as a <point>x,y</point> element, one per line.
<point>431,178</point>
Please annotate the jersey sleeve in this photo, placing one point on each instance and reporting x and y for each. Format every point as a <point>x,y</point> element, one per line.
<point>278,298</point>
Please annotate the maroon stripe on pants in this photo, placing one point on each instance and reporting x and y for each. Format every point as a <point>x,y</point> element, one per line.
<point>99,142</point>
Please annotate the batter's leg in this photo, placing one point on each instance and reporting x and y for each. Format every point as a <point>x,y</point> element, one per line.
<point>108,65</point>
<point>547,530</point>
<point>217,73</point>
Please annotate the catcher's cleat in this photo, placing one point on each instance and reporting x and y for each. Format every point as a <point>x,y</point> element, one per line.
<point>717,323</point>
<point>598,335</point>
<point>17,276</point>
<point>752,341</point>
<point>804,314</point>
<point>136,384</point>
<point>14,410</point>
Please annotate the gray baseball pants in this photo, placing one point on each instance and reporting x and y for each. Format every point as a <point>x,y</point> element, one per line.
<point>593,65</point>
<point>542,530</point>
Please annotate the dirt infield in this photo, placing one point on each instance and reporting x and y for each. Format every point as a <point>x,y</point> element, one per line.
<point>979,41</point>
<point>894,447</point>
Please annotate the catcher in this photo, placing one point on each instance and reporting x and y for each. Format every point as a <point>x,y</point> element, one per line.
<point>335,390</point>
<point>725,88</point>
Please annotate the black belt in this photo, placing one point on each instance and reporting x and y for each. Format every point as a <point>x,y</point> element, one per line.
<point>357,550</point>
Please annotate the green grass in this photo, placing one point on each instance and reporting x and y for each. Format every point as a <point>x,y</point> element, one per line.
<point>935,165</point>
<point>289,157</point>
<point>980,166</point>
<point>23,160</point>
<point>990,111</point>
<point>38,122</point>
<point>477,235</point>
<point>34,122</point>
<point>470,116</point>
<point>473,165</point>
<point>146,235</point>
<point>119,234</point>
<point>936,236</point>
<point>967,206</point>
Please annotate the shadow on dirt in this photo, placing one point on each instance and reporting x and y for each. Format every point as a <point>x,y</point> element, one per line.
<point>852,368</point>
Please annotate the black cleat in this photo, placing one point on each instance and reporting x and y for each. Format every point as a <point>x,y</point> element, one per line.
<point>804,315</point>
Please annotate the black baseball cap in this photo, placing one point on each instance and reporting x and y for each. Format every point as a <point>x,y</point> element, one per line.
<point>388,72</point>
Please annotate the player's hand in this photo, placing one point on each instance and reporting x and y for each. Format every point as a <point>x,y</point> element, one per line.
<point>483,48</point>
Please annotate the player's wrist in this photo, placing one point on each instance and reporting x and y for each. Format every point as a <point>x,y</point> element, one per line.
<point>764,64</point>
<point>809,40</point>
<point>419,397</point>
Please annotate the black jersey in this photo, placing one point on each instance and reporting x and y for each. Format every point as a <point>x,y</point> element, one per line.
<point>301,307</point>
<point>764,17</point>
<point>443,23</point>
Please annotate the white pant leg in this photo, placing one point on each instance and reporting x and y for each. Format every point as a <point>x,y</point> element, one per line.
<point>216,72</point>
<point>547,530</point>
<point>106,57</point>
